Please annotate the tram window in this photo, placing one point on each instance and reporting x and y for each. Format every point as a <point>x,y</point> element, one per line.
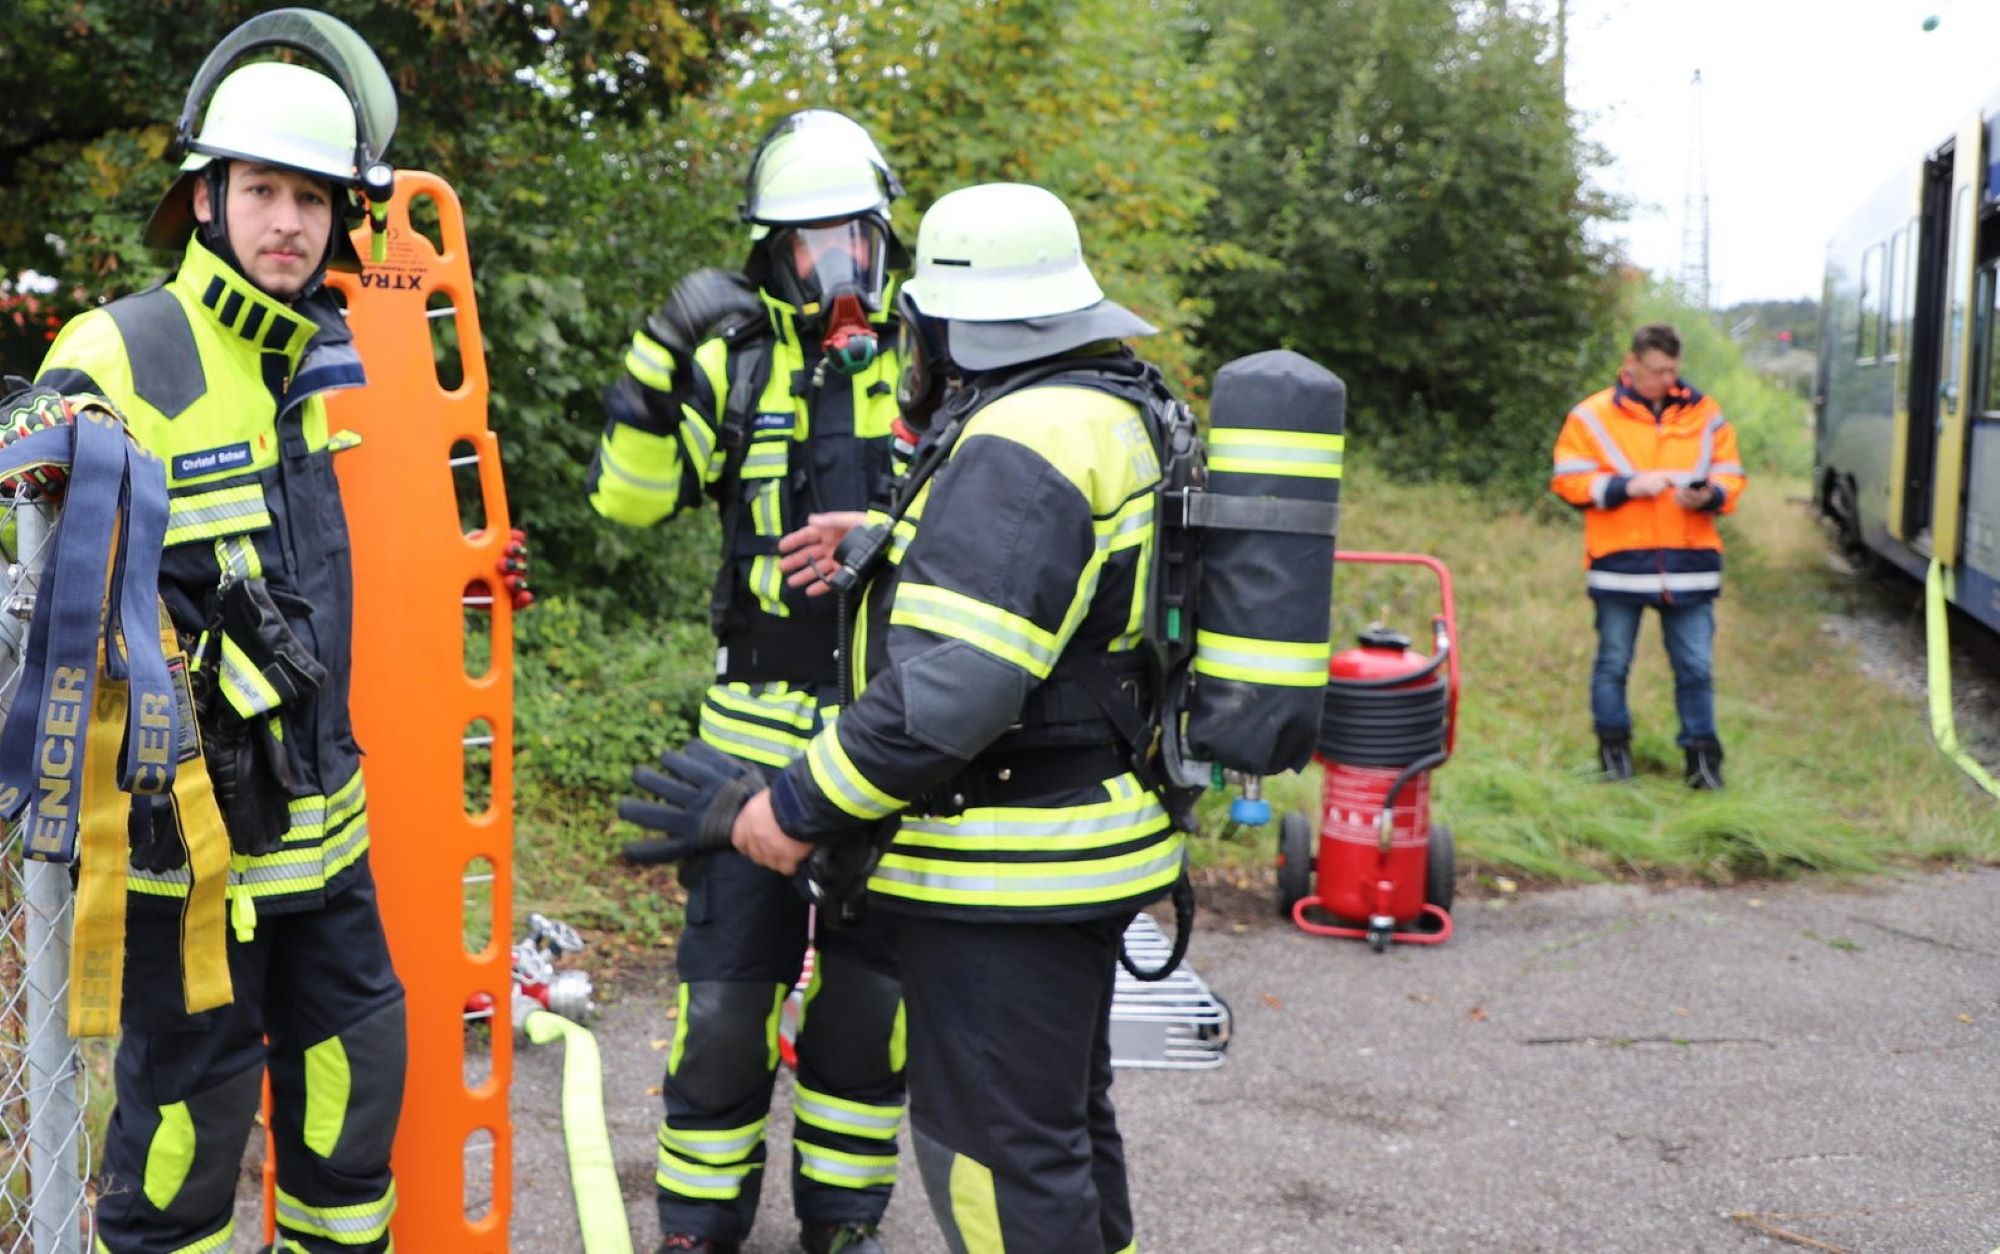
<point>1892,320</point>
<point>1989,381</point>
<point>1868,345</point>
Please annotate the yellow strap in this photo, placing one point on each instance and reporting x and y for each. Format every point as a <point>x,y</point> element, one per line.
<point>97,944</point>
<point>204,942</point>
<point>1936,635</point>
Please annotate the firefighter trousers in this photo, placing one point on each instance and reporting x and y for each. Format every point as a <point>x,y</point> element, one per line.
<point>1010,1083</point>
<point>318,986</point>
<point>738,958</point>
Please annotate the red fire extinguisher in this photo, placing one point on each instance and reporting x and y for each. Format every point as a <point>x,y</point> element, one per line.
<point>1380,869</point>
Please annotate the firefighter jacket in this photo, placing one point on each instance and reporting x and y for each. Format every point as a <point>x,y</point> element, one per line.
<point>1648,549</point>
<point>771,434</point>
<point>1017,573</point>
<point>227,385</point>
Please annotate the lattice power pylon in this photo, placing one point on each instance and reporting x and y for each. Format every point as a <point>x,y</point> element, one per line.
<point>1694,208</point>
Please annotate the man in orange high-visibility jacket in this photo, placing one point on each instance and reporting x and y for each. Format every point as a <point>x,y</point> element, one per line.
<point>1650,462</point>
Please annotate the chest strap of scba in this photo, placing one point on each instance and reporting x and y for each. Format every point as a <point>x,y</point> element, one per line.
<point>103,713</point>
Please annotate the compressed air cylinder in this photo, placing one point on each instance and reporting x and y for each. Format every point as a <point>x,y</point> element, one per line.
<point>1262,634</point>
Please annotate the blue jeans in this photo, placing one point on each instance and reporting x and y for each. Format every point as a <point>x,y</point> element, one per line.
<point>1690,636</point>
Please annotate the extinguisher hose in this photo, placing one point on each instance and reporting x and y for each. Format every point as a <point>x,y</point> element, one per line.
<point>1362,724</point>
<point>1183,896</point>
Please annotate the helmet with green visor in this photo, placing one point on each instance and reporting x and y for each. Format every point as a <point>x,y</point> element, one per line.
<point>817,200</point>
<point>333,126</point>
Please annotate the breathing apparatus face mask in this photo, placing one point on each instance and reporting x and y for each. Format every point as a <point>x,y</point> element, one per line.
<point>926,359</point>
<point>833,273</point>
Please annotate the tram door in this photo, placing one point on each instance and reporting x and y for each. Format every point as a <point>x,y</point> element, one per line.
<point>1943,506</point>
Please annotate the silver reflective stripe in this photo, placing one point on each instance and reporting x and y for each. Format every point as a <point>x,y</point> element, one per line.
<point>1598,487</point>
<point>1685,581</point>
<point>1726,468</point>
<point>1575,466</point>
<point>695,434</point>
<point>361,1221</point>
<point>675,1171</point>
<point>1210,655</point>
<point>1605,444</point>
<point>1058,824</point>
<point>1000,886</point>
<point>733,1143</point>
<point>809,1107</point>
<point>863,1173</point>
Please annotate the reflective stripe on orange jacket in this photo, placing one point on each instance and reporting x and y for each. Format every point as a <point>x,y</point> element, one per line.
<point>1652,548</point>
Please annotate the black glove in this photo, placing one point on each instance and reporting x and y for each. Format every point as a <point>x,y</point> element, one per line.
<point>253,784</point>
<point>699,790</point>
<point>705,304</point>
<point>155,835</point>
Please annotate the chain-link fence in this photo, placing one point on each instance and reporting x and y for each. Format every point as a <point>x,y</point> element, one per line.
<point>45,1150</point>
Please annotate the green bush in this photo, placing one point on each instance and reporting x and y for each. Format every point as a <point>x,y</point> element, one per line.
<point>593,699</point>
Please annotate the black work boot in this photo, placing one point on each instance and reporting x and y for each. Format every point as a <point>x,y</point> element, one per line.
<point>849,1237</point>
<point>1704,765</point>
<point>1614,756</point>
<point>688,1243</point>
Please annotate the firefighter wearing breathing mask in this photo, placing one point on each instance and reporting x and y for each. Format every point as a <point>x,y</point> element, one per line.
<point>771,391</point>
<point>223,370</point>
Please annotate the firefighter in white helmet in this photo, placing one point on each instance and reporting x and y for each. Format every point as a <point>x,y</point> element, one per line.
<point>223,372</point>
<point>995,752</point>
<point>770,391</point>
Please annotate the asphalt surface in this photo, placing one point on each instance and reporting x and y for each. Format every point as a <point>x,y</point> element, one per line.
<point>1607,1068</point>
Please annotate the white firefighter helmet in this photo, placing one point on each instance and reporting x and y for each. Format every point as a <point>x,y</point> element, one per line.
<point>1003,265</point>
<point>816,166</point>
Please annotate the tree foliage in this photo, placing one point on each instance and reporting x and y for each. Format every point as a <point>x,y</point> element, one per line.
<point>585,191</point>
<point>1403,200</point>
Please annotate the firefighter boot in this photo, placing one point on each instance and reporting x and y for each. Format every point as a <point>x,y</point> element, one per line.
<point>1704,765</point>
<point>1614,755</point>
<point>852,1237</point>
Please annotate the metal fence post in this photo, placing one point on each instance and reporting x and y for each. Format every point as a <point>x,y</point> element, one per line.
<point>40,1069</point>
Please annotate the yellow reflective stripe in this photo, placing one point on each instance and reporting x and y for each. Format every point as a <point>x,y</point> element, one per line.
<point>223,1239</point>
<point>1131,1247</point>
<point>899,1039</point>
<point>765,745</point>
<point>771,1022</point>
<point>1030,883</point>
<point>680,1030</point>
<point>650,363</point>
<point>227,511</point>
<point>709,1183</point>
<point>238,558</point>
<point>774,700</point>
<point>838,1114</point>
<point>715,1147</point>
<point>1284,663</point>
<point>975,1211</point>
<point>768,457</point>
<point>328,1082</point>
<point>842,782</point>
<point>698,437</point>
<point>1131,524</point>
<point>900,536</point>
<point>842,1169</point>
<point>1306,454</point>
<point>955,616</point>
<point>347,1225</point>
<point>243,685</point>
<point>1091,826</point>
<point>312,817</point>
<point>169,1155</point>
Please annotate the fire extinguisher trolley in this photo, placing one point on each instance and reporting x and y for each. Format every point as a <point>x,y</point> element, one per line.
<point>1380,871</point>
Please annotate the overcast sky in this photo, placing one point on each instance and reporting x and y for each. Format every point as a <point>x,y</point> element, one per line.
<point>1808,106</point>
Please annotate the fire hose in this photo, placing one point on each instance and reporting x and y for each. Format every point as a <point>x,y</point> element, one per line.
<point>1944,729</point>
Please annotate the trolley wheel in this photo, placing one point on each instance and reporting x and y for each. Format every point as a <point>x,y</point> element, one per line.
<point>1440,869</point>
<point>1295,861</point>
<point>1378,939</point>
<point>1848,535</point>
